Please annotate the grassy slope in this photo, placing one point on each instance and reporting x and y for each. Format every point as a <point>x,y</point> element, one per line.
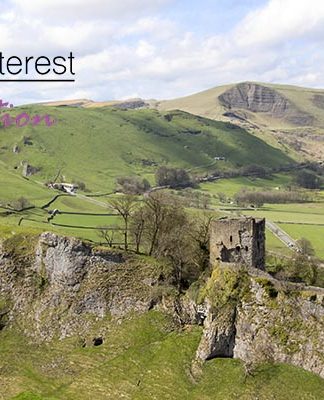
<point>96,145</point>
<point>141,359</point>
<point>13,185</point>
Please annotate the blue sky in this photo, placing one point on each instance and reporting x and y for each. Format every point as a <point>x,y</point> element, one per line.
<point>210,16</point>
<point>164,48</point>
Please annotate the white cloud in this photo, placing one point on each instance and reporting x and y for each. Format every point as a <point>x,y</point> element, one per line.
<point>127,47</point>
<point>144,49</point>
<point>85,9</point>
<point>280,21</point>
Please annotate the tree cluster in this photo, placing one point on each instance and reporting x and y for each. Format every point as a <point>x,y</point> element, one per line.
<point>132,185</point>
<point>160,227</point>
<point>301,268</point>
<point>194,198</point>
<point>308,179</point>
<point>247,197</point>
<point>173,177</point>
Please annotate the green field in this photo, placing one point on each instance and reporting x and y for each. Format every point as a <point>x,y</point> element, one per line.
<point>315,234</point>
<point>37,218</point>
<point>231,186</point>
<point>99,144</point>
<point>142,358</point>
<point>305,221</point>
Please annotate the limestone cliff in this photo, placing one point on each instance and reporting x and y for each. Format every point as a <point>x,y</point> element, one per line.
<point>262,99</point>
<point>255,318</point>
<point>57,286</point>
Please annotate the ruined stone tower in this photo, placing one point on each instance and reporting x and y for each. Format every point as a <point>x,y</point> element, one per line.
<point>238,241</point>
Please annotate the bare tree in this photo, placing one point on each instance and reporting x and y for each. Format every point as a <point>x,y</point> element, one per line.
<point>20,204</point>
<point>200,232</point>
<point>108,234</point>
<point>137,227</point>
<point>156,210</point>
<point>124,205</point>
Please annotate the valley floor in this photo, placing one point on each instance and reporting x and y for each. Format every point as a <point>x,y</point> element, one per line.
<point>302,220</point>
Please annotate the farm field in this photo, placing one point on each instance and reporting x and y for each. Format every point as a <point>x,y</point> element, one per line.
<point>231,186</point>
<point>298,220</point>
<point>315,234</point>
<point>145,139</point>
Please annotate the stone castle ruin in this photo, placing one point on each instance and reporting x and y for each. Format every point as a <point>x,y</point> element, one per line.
<point>238,241</point>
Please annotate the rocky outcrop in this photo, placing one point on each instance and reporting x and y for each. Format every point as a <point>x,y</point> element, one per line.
<point>318,101</point>
<point>131,104</point>
<point>63,261</point>
<point>257,319</point>
<point>287,328</point>
<point>58,286</point>
<point>262,99</point>
<point>29,170</point>
<point>218,338</point>
<point>255,98</point>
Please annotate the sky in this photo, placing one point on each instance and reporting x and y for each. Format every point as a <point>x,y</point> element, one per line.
<point>163,48</point>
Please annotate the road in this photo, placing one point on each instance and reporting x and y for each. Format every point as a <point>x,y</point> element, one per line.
<point>282,235</point>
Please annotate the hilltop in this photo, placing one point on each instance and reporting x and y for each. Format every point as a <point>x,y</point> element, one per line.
<point>291,116</point>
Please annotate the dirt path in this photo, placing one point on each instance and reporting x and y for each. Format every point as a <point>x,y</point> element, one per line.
<point>92,200</point>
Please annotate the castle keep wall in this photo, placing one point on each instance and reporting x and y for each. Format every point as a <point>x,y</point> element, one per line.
<point>239,241</point>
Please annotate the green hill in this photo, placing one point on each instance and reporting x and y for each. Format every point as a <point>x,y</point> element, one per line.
<point>290,115</point>
<point>97,145</point>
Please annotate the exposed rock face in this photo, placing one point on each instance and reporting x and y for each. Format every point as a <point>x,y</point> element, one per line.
<point>257,319</point>
<point>318,101</point>
<point>131,104</point>
<point>255,98</point>
<point>292,333</point>
<point>218,338</point>
<point>261,99</point>
<point>62,260</point>
<point>29,170</point>
<point>63,285</point>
